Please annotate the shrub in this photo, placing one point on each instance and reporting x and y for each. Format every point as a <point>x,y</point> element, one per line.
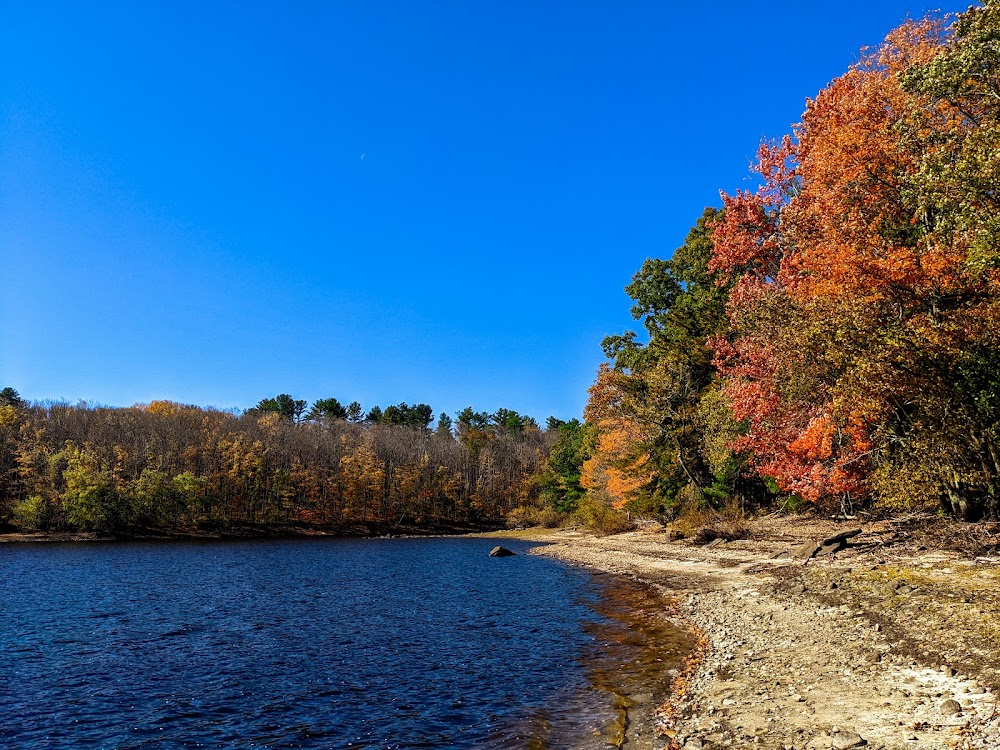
<point>521,517</point>
<point>702,525</point>
<point>526,516</point>
<point>549,518</point>
<point>597,514</point>
<point>31,514</point>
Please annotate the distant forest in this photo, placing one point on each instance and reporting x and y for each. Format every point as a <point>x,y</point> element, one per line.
<point>171,467</point>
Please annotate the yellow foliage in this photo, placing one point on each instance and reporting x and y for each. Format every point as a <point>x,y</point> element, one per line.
<point>8,415</point>
<point>163,408</point>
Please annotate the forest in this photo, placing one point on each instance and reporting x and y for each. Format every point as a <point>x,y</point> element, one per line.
<point>829,339</point>
<point>171,467</point>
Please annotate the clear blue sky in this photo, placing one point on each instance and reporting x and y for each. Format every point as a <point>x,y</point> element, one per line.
<point>185,212</point>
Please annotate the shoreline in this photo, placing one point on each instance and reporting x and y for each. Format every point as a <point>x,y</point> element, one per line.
<point>243,533</point>
<point>887,643</point>
<point>881,646</point>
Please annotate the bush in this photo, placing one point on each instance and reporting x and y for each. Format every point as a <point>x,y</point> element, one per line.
<point>521,518</point>
<point>597,514</point>
<point>702,525</point>
<point>31,514</point>
<point>526,516</point>
<point>549,518</point>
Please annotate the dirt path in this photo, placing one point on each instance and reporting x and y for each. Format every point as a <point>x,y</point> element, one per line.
<point>880,645</point>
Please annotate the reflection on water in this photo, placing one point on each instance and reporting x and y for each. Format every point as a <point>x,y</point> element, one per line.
<point>318,644</point>
<point>633,652</point>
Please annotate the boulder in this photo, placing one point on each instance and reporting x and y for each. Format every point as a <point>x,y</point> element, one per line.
<point>501,552</point>
<point>829,549</point>
<point>805,550</point>
<point>840,538</point>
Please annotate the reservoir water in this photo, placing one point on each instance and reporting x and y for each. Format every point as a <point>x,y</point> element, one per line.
<point>384,643</point>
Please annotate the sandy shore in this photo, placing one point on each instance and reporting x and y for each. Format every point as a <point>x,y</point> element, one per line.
<point>883,645</point>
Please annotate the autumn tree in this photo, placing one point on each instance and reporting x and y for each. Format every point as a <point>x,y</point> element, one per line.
<point>858,303</point>
<point>643,406</point>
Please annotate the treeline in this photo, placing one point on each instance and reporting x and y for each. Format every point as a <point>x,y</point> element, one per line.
<point>173,467</point>
<point>832,337</point>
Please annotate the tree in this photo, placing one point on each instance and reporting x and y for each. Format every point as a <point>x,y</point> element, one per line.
<point>860,292</point>
<point>419,415</point>
<point>444,426</point>
<point>468,419</point>
<point>10,397</point>
<point>283,405</point>
<point>955,184</point>
<point>552,423</point>
<point>354,413</point>
<point>328,409</point>
<point>560,476</point>
<point>648,445</point>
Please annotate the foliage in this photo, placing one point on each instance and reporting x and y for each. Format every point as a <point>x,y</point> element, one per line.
<point>860,283</point>
<point>850,306</point>
<point>595,512</point>
<point>528,516</point>
<point>954,185</point>
<point>650,442</point>
<point>176,467</point>
<point>10,397</point>
<point>31,514</point>
<point>284,406</point>
<point>560,476</point>
<point>328,409</point>
<point>705,524</point>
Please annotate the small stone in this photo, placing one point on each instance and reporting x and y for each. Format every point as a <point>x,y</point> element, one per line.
<point>798,588</point>
<point>694,743</point>
<point>951,707</point>
<point>501,552</point>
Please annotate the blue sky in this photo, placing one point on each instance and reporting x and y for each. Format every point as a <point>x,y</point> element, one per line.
<point>185,212</point>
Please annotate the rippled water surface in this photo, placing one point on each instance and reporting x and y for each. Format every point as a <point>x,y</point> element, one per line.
<point>391,643</point>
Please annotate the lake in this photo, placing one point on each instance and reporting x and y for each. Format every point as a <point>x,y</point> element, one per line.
<point>380,643</point>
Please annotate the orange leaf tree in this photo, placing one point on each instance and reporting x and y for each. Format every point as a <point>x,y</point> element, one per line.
<point>861,335</point>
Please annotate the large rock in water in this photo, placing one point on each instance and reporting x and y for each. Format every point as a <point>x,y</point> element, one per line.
<point>501,552</point>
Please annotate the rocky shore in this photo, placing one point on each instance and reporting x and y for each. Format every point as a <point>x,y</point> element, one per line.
<point>875,641</point>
